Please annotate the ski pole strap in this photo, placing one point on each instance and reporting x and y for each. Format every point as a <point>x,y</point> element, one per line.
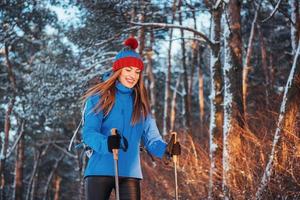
<point>124,143</point>
<point>74,135</point>
<point>77,129</point>
<point>86,149</point>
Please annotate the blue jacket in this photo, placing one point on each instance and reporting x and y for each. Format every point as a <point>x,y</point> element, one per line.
<point>96,129</point>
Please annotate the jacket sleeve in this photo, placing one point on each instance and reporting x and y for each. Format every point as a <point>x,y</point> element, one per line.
<point>92,135</point>
<point>152,139</point>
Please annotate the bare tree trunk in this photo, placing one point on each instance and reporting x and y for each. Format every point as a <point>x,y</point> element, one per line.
<point>195,47</point>
<point>173,105</point>
<point>216,109</point>
<point>57,182</point>
<point>167,100</point>
<point>18,184</point>
<point>292,85</point>
<point>133,16</point>
<point>201,95</point>
<point>187,105</point>
<point>271,71</point>
<point>233,103</point>
<point>141,38</point>
<point>183,106</point>
<point>264,65</point>
<point>151,75</point>
<point>295,28</point>
<point>149,66</point>
<point>142,30</point>
<point>9,110</point>
<point>32,185</point>
<point>54,168</point>
<point>31,182</point>
<point>247,67</point>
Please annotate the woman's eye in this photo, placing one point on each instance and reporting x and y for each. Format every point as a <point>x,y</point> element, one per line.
<point>128,70</point>
<point>138,72</point>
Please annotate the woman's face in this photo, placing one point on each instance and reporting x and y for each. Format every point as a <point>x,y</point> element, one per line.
<point>129,76</point>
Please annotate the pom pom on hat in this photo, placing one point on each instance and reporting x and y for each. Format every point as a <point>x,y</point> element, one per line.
<point>128,57</point>
<point>132,43</point>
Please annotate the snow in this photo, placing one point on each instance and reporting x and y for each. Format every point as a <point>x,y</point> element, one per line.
<point>69,15</point>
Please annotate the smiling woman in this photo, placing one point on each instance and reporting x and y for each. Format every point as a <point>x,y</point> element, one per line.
<point>120,103</point>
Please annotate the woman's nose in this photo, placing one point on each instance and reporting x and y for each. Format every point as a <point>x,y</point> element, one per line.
<point>133,74</point>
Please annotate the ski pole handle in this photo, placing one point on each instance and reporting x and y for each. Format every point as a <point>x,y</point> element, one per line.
<point>113,131</point>
<point>174,134</point>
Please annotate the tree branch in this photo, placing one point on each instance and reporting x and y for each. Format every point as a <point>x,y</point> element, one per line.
<point>64,151</point>
<point>164,25</point>
<point>17,140</point>
<point>273,12</point>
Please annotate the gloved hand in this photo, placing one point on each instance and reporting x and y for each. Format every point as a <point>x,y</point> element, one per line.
<point>176,150</point>
<point>173,148</point>
<point>113,142</point>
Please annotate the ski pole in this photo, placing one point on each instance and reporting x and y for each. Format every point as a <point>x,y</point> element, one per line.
<point>175,167</point>
<point>115,154</point>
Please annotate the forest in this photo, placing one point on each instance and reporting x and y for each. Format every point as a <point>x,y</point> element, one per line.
<point>223,74</point>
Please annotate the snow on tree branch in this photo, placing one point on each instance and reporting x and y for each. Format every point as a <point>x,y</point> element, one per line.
<point>164,25</point>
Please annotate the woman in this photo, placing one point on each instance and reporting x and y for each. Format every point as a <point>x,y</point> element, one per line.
<point>120,102</point>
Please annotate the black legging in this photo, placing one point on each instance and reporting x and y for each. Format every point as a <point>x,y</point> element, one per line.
<point>100,187</point>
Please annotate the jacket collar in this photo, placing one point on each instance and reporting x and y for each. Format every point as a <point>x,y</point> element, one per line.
<point>121,88</point>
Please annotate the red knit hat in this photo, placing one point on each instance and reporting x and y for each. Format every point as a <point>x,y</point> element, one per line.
<point>128,57</point>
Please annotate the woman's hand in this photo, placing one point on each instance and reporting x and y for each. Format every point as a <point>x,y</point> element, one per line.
<point>173,148</point>
<point>113,142</point>
<point>117,141</point>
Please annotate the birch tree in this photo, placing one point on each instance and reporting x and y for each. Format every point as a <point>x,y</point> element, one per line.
<point>232,71</point>
<point>290,103</point>
<point>295,26</point>
<point>287,100</point>
<point>216,109</point>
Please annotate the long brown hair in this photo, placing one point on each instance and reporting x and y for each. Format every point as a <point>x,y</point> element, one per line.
<point>107,91</point>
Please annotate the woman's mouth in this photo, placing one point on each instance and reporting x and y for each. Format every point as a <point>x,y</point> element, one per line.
<point>130,80</point>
